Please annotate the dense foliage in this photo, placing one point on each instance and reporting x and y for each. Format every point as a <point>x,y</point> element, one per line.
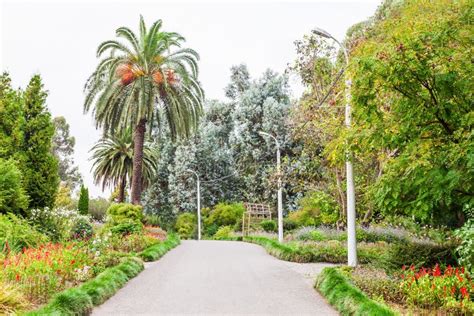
<point>83,203</point>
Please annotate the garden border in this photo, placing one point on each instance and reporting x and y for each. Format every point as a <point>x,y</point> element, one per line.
<point>80,300</point>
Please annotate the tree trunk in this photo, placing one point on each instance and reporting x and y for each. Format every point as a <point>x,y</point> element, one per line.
<point>138,141</point>
<point>122,185</point>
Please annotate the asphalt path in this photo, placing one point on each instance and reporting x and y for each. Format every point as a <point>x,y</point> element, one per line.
<point>219,278</point>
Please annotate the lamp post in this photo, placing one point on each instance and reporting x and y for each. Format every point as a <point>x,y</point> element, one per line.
<point>198,201</point>
<point>351,213</point>
<point>280,196</point>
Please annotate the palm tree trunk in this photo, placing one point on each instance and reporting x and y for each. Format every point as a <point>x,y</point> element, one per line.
<point>138,141</point>
<point>123,183</point>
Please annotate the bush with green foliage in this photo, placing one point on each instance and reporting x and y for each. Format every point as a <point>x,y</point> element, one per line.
<point>224,232</point>
<point>466,249</point>
<point>83,203</point>
<point>420,253</point>
<point>98,208</point>
<point>82,228</point>
<point>186,225</point>
<point>12,195</point>
<point>269,226</point>
<point>56,223</point>
<point>315,208</point>
<point>18,233</point>
<point>224,214</point>
<point>289,225</point>
<point>126,227</point>
<point>118,212</point>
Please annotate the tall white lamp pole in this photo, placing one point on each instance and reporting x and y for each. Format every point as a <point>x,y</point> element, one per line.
<point>198,201</point>
<point>280,195</point>
<point>351,213</point>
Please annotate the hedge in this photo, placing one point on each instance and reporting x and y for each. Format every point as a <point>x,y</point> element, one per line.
<point>345,297</point>
<point>80,300</point>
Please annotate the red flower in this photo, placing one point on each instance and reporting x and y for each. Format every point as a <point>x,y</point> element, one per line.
<point>17,277</point>
<point>464,292</point>
<point>437,271</point>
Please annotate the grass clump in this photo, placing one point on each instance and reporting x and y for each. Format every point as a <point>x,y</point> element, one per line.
<point>11,299</point>
<point>345,297</point>
<point>158,250</point>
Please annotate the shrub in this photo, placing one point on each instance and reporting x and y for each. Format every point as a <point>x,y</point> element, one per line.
<point>83,203</point>
<point>186,225</point>
<point>18,233</point>
<point>82,228</point>
<point>210,230</point>
<point>289,224</point>
<point>98,208</point>
<point>56,223</point>
<point>269,226</point>
<point>126,227</point>
<point>151,220</point>
<point>466,249</point>
<point>12,196</point>
<point>346,298</point>
<point>419,253</point>
<point>124,211</point>
<point>315,208</point>
<point>11,299</point>
<point>223,232</point>
<point>226,214</point>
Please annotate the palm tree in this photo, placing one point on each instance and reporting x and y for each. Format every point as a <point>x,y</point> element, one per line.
<point>113,161</point>
<point>145,80</point>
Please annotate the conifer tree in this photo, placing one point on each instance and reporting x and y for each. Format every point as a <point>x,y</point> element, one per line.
<point>37,162</point>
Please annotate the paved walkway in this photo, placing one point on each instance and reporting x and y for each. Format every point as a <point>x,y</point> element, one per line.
<point>219,278</point>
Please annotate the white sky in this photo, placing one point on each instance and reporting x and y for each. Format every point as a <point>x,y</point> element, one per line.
<point>59,39</point>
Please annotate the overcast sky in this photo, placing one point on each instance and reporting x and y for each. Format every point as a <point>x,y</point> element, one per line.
<point>59,39</point>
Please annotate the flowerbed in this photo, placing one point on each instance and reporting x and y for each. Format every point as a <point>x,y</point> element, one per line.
<point>451,290</point>
<point>40,272</point>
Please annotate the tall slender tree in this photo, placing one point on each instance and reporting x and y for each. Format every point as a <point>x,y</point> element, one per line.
<point>144,80</point>
<point>113,162</point>
<point>38,164</point>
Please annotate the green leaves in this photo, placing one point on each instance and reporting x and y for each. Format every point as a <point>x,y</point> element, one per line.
<point>411,101</point>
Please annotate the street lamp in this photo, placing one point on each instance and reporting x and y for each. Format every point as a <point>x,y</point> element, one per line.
<point>280,198</point>
<point>198,201</point>
<point>351,213</point>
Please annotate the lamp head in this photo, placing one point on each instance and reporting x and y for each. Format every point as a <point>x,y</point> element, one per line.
<point>322,32</point>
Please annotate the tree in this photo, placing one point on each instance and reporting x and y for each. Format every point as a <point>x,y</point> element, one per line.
<point>38,165</point>
<point>11,119</point>
<point>264,106</point>
<point>12,195</point>
<point>83,203</point>
<point>113,162</point>
<point>143,81</point>
<point>412,102</point>
<point>63,149</point>
<point>63,198</point>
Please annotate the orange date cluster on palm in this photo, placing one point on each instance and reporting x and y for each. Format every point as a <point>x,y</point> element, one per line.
<point>128,73</point>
